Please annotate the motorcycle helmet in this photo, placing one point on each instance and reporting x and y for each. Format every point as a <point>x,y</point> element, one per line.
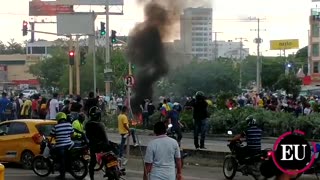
<point>61,116</point>
<point>199,93</point>
<point>250,121</point>
<point>95,113</point>
<point>69,118</point>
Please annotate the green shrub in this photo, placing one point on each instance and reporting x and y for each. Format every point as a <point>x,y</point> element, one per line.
<point>272,123</point>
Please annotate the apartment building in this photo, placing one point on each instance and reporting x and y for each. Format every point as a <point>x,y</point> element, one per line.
<point>196,32</point>
<point>314,46</point>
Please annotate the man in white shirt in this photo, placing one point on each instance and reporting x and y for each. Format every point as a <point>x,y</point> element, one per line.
<point>162,156</point>
<point>54,106</point>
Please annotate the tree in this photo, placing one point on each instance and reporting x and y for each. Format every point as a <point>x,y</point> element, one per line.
<point>14,48</point>
<point>209,76</point>
<point>301,59</point>
<point>53,72</point>
<point>50,70</point>
<point>290,83</point>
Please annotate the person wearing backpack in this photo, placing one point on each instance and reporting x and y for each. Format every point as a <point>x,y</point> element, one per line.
<point>4,101</point>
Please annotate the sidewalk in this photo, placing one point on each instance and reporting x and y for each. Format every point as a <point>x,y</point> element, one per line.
<point>218,144</point>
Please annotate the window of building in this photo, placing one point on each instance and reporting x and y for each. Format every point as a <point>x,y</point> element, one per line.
<point>315,49</point>
<point>315,30</point>
<point>316,67</point>
<point>38,50</point>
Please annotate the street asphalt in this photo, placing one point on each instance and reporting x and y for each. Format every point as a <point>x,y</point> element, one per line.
<point>135,171</point>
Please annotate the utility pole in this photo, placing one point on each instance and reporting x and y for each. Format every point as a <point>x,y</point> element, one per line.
<point>216,48</point>
<point>240,59</point>
<point>107,69</point>
<point>258,41</point>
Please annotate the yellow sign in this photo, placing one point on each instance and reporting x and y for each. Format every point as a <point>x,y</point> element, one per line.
<point>284,44</point>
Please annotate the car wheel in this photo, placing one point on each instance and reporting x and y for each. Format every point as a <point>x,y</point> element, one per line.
<point>26,159</point>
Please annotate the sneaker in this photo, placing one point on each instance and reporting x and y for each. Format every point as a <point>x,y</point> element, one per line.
<point>136,144</point>
<point>197,149</point>
<point>203,148</point>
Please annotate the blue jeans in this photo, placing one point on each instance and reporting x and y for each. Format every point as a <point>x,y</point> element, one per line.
<point>201,128</point>
<point>124,139</point>
<point>61,158</point>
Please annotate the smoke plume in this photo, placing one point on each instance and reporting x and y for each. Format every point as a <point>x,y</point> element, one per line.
<point>145,48</point>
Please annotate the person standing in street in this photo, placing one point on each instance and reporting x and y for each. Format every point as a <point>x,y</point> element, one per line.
<point>4,101</point>
<point>91,102</point>
<point>125,131</point>
<point>200,116</point>
<point>162,156</point>
<point>54,106</point>
<point>97,136</point>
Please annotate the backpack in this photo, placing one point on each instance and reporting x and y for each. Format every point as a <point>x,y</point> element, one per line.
<point>9,108</point>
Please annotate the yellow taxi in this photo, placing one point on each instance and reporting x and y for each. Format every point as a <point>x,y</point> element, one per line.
<point>20,139</point>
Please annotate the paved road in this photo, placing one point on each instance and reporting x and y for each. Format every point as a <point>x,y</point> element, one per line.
<point>213,144</point>
<point>135,170</point>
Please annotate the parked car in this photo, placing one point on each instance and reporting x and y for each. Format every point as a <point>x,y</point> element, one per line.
<point>29,92</point>
<point>20,140</point>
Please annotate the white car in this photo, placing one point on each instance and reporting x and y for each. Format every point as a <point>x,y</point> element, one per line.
<point>29,92</point>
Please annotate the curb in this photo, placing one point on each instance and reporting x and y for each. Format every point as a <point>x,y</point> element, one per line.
<point>187,135</point>
<point>195,157</point>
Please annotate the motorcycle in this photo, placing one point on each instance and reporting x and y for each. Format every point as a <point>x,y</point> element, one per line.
<point>249,166</point>
<point>171,133</point>
<point>110,164</point>
<point>76,163</point>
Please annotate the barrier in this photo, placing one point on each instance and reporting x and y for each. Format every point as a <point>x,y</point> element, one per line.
<point>2,169</point>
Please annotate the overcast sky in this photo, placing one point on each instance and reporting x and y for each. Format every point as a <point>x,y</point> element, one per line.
<point>284,19</point>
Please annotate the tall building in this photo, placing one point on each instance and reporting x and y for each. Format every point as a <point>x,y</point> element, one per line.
<point>314,46</point>
<point>196,32</point>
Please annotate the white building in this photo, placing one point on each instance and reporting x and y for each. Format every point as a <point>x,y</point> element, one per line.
<point>230,49</point>
<point>196,32</point>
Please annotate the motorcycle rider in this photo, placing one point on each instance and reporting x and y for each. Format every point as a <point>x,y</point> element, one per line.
<point>97,136</point>
<point>253,137</point>
<point>62,133</point>
<point>78,125</point>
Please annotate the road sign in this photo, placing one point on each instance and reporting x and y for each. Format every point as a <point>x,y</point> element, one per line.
<point>284,44</point>
<point>129,80</point>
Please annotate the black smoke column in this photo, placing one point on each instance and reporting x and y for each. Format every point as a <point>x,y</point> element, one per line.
<point>146,51</point>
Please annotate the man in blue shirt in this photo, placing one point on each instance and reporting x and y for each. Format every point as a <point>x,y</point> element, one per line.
<point>174,117</point>
<point>62,133</point>
<point>4,101</point>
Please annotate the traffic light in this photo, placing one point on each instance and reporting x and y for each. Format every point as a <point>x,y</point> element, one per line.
<point>113,36</point>
<point>25,28</point>
<point>71,57</point>
<point>82,57</point>
<point>102,28</point>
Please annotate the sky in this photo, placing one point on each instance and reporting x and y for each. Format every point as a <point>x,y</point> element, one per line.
<point>283,19</point>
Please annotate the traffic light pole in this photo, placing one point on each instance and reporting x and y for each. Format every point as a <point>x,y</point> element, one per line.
<point>107,82</point>
<point>77,64</point>
<point>70,68</point>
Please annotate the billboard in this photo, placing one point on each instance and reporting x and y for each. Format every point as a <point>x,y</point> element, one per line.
<point>75,23</point>
<point>90,2</point>
<point>284,44</point>
<point>48,8</point>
